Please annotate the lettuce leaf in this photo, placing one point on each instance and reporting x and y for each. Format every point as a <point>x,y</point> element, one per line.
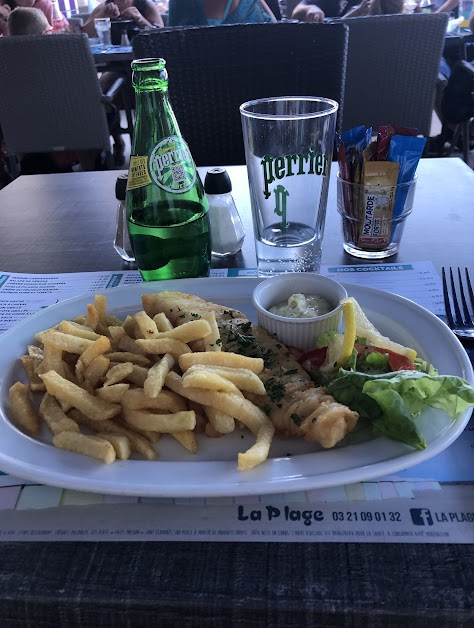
<point>391,401</point>
<point>449,393</point>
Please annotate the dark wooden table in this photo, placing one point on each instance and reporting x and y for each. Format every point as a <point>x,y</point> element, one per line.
<point>114,54</point>
<point>64,217</point>
<point>455,45</point>
<point>65,223</point>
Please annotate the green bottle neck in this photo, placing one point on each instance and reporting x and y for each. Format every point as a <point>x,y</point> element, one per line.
<point>155,118</point>
<point>149,75</point>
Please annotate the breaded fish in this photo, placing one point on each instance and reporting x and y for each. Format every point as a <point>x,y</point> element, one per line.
<point>294,404</point>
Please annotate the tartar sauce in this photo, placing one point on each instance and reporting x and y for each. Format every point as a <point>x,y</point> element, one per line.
<point>302,306</point>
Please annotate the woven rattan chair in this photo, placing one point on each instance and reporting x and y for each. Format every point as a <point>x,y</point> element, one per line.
<point>50,97</point>
<point>214,69</point>
<point>392,69</point>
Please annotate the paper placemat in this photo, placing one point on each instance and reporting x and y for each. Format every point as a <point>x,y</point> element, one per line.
<point>24,294</point>
<point>436,516</point>
<point>230,518</point>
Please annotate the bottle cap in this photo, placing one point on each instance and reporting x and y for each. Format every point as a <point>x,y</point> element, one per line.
<point>121,187</point>
<point>217,181</point>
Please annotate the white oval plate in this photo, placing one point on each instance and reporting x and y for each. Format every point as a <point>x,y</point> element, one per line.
<point>292,465</point>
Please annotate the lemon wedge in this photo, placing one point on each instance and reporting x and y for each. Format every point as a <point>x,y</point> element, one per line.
<point>350,327</point>
<point>365,329</point>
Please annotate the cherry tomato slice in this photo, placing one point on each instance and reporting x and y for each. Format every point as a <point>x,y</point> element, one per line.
<point>396,361</point>
<point>314,359</point>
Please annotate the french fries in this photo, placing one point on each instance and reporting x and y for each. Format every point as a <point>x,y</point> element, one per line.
<point>138,442</point>
<point>136,399</point>
<point>244,379</point>
<point>231,404</point>
<point>30,363</point>
<point>160,346</point>
<point>221,422</point>
<point>258,452</point>
<point>109,389</point>
<point>91,406</point>
<point>54,416</point>
<point>120,443</point>
<point>156,375</point>
<point>113,393</point>
<point>209,381</point>
<point>22,411</point>
<point>83,444</point>
<point>222,358</point>
<point>212,342</point>
<point>163,423</point>
<point>118,373</point>
<point>146,326</point>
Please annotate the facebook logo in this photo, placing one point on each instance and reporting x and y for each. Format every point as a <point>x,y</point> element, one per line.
<point>421,516</point>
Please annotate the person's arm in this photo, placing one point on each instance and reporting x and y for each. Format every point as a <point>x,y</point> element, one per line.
<point>153,15</point>
<point>471,21</point>
<point>150,17</point>
<point>267,10</point>
<point>274,7</point>
<point>4,11</point>
<point>447,6</point>
<point>361,9</point>
<point>102,10</point>
<point>308,11</point>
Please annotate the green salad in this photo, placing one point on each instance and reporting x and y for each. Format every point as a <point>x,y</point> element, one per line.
<point>386,383</point>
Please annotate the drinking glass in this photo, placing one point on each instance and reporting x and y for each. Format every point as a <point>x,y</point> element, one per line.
<point>373,217</point>
<point>289,145</point>
<point>103,28</point>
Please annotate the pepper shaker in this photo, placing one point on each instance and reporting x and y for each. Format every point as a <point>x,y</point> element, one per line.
<point>122,241</point>
<point>227,231</point>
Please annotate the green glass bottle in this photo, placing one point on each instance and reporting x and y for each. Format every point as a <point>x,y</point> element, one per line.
<point>167,210</point>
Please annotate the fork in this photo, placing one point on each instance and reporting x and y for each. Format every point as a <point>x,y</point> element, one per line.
<point>460,323</point>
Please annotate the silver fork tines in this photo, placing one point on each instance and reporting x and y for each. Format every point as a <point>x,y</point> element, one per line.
<point>461,322</point>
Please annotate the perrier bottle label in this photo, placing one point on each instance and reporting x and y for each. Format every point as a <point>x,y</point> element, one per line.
<point>169,166</point>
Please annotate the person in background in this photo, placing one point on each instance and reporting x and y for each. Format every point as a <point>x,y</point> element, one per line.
<point>143,12</point>
<point>4,13</point>
<point>215,12</point>
<point>274,6</point>
<point>46,6</point>
<point>318,10</point>
<point>447,6</point>
<point>436,144</point>
<point>27,21</point>
<point>32,21</point>
<point>145,15</point>
<point>377,7</point>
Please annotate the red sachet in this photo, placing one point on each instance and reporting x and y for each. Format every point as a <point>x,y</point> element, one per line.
<point>384,136</point>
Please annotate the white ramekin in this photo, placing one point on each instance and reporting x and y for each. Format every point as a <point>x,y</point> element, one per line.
<point>300,333</point>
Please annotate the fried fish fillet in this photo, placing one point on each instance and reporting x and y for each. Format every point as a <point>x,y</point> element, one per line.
<point>294,404</point>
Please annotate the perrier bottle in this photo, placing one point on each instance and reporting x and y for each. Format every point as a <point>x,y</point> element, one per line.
<point>167,210</point>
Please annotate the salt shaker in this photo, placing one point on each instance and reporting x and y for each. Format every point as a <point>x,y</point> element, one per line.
<point>227,231</point>
<point>122,241</point>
